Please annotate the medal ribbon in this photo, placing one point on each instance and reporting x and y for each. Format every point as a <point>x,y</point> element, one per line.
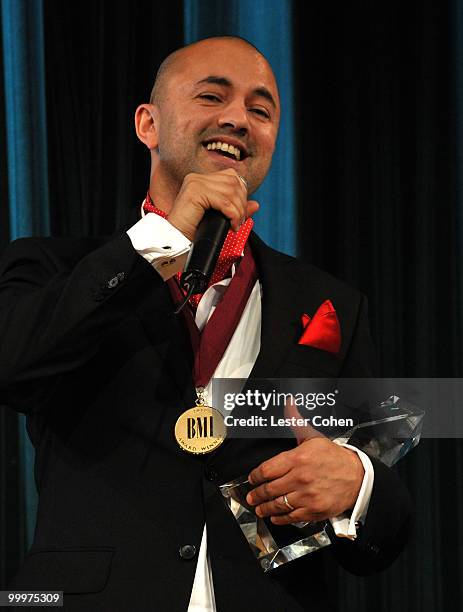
<point>210,345</point>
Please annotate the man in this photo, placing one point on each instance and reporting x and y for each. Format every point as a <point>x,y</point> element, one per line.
<point>94,354</point>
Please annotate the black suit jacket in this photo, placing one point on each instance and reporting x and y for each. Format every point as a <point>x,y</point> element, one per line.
<point>93,354</point>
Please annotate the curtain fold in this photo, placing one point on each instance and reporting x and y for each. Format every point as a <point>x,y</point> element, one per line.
<point>101,60</point>
<point>378,99</point>
<point>371,149</point>
<point>26,125</point>
<point>26,138</point>
<point>72,163</point>
<point>268,26</point>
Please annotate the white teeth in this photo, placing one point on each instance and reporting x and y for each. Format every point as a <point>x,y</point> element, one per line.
<point>223,146</point>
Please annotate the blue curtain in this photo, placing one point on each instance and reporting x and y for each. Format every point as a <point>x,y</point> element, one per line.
<point>22,35</point>
<point>458,34</point>
<point>268,26</point>
<point>259,21</point>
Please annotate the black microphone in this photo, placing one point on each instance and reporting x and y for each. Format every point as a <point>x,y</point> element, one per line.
<point>205,251</point>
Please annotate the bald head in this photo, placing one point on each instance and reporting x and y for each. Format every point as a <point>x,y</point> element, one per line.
<point>175,60</point>
<point>217,90</point>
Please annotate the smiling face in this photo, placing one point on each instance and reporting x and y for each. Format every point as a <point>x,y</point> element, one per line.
<point>217,108</point>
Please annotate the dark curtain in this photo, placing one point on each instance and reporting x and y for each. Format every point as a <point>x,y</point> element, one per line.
<point>11,526</point>
<point>376,109</point>
<point>4,211</point>
<point>376,114</point>
<point>101,59</point>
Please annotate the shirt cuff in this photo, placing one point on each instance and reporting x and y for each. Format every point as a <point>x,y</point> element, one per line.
<point>345,526</point>
<point>160,243</point>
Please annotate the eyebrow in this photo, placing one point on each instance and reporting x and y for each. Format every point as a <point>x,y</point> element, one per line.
<point>262,92</point>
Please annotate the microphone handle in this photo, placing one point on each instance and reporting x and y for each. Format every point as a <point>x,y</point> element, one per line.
<point>205,251</point>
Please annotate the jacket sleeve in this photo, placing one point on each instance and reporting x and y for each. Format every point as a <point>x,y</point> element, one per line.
<point>388,520</point>
<point>386,530</point>
<point>54,310</point>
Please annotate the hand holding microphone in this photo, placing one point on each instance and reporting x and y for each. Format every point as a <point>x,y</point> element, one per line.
<point>205,208</point>
<point>224,191</point>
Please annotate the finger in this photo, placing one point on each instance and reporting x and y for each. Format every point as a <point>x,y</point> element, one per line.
<point>235,180</point>
<point>222,191</point>
<point>273,468</point>
<point>234,173</point>
<point>297,516</point>
<point>241,205</point>
<point>271,490</point>
<point>243,182</point>
<point>225,198</point>
<point>251,207</point>
<point>301,432</point>
<point>233,209</point>
<point>275,507</point>
<point>231,177</point>
<point>227,192</point>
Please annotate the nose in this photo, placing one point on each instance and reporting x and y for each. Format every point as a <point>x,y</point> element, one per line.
<point>234,115</point>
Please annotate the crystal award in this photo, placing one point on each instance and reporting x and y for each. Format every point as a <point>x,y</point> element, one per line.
<point>389,431</point>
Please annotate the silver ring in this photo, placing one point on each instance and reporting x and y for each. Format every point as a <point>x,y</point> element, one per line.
<point>288,505</point>
<point>243,180</point>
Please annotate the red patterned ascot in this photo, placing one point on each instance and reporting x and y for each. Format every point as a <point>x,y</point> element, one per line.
<point>231,251</point>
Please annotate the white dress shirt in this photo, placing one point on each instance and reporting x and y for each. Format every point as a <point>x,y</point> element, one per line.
<point>166,249</point>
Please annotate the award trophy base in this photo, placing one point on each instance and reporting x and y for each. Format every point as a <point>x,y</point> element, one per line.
<point>272,545</point>
<point>388,431</point>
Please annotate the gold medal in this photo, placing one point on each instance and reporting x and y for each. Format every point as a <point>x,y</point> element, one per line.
<point>200,429</point>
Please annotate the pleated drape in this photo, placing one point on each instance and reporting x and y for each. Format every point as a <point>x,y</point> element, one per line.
<point>367,183</point>
<point>268,26</point>
<point>26,161</point>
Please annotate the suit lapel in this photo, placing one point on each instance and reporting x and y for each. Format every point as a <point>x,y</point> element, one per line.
<point>284,299</point>
<point>277,327</point>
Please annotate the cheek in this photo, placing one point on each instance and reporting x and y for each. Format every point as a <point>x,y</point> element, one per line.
<point>266,153</point>
<point>268,142</point>
<point>174,137</point>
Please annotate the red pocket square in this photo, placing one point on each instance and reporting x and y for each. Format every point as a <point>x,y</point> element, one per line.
<point>322,331</point>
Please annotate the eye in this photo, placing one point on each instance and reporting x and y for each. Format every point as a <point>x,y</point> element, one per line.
<point>261,112</point>
<point>210,97</point>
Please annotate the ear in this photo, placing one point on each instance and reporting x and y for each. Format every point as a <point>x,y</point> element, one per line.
<point>146,117</point>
